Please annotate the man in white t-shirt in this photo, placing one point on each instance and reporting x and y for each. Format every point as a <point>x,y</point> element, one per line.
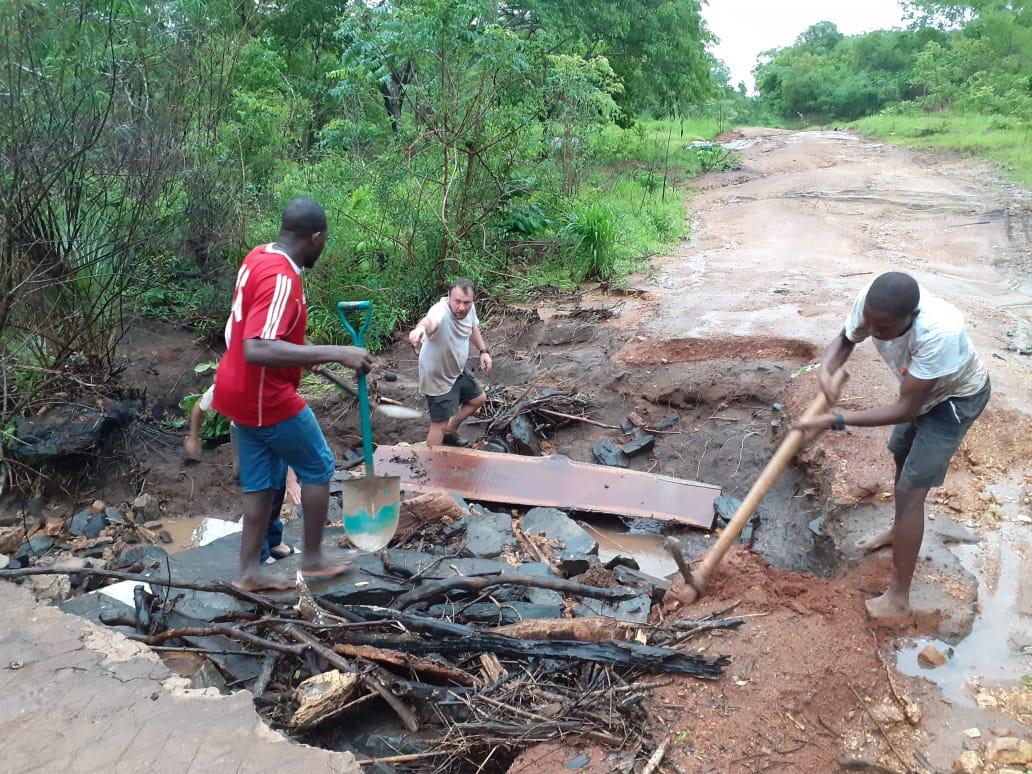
<point>442,340</point>
<point>944,386</point>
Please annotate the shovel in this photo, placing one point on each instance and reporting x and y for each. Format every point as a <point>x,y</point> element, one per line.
<point>370,504</point>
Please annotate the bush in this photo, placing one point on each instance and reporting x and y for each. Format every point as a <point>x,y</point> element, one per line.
<point>591,234</point>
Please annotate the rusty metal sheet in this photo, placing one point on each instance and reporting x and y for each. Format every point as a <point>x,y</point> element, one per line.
<point>554,481</point>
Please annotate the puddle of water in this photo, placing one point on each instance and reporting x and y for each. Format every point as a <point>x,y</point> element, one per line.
<point>992,652</point>
<point>190,533</point>
<point>645,549</point>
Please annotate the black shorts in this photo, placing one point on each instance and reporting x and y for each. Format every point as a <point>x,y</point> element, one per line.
<point>444,407</point>
<point>924,446</point>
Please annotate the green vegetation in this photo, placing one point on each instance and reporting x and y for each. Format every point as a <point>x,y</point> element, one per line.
<point>147,145</point>
<point>959,78</point>
<point>999,138</point>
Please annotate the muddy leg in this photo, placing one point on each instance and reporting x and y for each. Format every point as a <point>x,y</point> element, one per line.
<point>435,435</point>
<point>465,412</point>
<point>907,533</point>
<point>874,542</point>
<point>315,501</point>
<point>256,520</point>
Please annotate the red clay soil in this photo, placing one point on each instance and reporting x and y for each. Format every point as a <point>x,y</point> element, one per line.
<point>648,352</point>
<point>786,702</point>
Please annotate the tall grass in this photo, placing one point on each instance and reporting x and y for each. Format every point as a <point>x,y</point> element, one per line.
<point>1001,139</point>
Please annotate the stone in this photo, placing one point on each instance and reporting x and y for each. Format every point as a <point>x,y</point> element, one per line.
<point>578,762</point>
<point>888,713</point>
<point>4,561</point>
<point>34,507</point>
<point>156,524</point>
<point>87,523</point>
<point>968,763</point>
<point>608,453</point>
<point>146,508</point>
<point>165,537</point>
<point>634,578</point>
<point>37,545</point>
<point>726,507</point>
<point>986,701</point>
<point>627,427</point>
<point>149,556</point>
<point>641,442</point>
<point>1008,750</point>
<point>622,561</point>
<point>114,516</point>
<point>525,436</point>
<point>489,535</point>
<point>972,733</point>
<point>669,422</point>
<point>636,609</point>
<point>49,587</point>
<point>490,614</point>
<point>10,539</point>
<point>578,548</point>
<point>321,697</point>
<point>98,506</point>
<point>931,656</point>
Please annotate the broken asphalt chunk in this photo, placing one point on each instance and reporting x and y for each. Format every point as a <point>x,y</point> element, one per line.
<point>87,523</point>
<point>525,436</point>
<point>669,422</point>
<point>578,549</point>
<point>489,534</point>
<point>641,442</point>
<point>607,453</point>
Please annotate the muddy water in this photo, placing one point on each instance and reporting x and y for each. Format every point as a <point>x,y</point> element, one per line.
<point>191,532</point>
<point>993,652</point>
<point>645,549</point>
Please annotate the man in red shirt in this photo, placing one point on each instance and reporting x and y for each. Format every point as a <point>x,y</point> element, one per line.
<point>256,387</point>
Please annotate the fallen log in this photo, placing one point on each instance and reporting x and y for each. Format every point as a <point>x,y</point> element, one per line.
<point>323,697</point>
<point>580,629</point>
<point>218,587</point>
<point>619,653</point>
<point>434,589</point>
<point>373,678</point>
<point>407,661</point>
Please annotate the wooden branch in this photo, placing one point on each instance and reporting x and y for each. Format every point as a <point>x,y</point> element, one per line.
<point>216,630</point>
<point>581,629</point>
<point>573,418</point>
<point>407,661</point>
<point>219,587</point>
<point>440,588</point>
<point>372,679</point>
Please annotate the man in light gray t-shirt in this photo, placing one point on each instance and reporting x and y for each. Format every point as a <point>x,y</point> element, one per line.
<point>442,340</point>
<point>944,386</point>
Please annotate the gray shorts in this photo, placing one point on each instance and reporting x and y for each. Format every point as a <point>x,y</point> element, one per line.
<point>444,407</point>
<point>924,446</point>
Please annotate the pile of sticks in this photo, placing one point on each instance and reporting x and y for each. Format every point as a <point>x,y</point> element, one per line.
<point>462,695</point>
<point>547,409</point>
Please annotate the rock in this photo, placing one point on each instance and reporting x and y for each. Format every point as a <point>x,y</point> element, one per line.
<point>49,587</point>
<point>70,430</point>
<point>156,524</point>
<point>321,697</point>
<point>578,762</point>
<point>509,612</point>
<point>1008,750</point>
<point>634,578</point>
<point>146,508</point>
<point>87,523</point>
<point>888,713</point>
<point>98,506</point>
<point>627,427</point>
<point>635,609</point>
<point>488,534</point>
<point>149,556</point>
<point>114,516</point>
<point>931,656</point>
<point>525,436</point>
<point>641,442</point>
<point>608,453</point>
<point>986,701</point>
<point>968,763</point>
<point>34,507</point>
<point>4,561</point>
<point>37,545</point>
<point>622,561</point>
<point>972,733</point>
<point>578,547</point>
<point>10,539</point>
<point>165,537</point>
<point>725,507</point>
<point>669,422</point>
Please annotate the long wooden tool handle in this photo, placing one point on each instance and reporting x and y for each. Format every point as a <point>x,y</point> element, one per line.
<point>789,446</point>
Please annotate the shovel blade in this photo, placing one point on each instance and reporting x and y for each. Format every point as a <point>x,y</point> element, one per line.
<point>370,507</point>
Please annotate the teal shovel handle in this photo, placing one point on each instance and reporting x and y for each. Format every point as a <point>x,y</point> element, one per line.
<point>358,337</point>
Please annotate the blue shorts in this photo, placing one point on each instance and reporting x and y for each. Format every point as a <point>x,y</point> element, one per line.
<point>265,453</point>
<point>924,446</point>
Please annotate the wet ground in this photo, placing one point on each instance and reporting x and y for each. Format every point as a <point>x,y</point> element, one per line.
<point>725,331</point>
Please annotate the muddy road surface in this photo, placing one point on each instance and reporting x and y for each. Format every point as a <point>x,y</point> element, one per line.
<point>725,332</point>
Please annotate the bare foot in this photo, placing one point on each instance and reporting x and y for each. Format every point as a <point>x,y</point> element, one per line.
<point>323,568</point>
<point>874,542</point>
<point>889,605</point>
<point>259,580</point>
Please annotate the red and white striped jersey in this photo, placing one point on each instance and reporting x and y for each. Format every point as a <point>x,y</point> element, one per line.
<point>268,303</point>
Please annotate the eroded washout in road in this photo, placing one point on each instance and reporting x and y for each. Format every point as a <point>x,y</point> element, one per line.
<point>777,666</point>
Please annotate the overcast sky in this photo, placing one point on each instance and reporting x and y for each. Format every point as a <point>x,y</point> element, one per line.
<point>747,27</point>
